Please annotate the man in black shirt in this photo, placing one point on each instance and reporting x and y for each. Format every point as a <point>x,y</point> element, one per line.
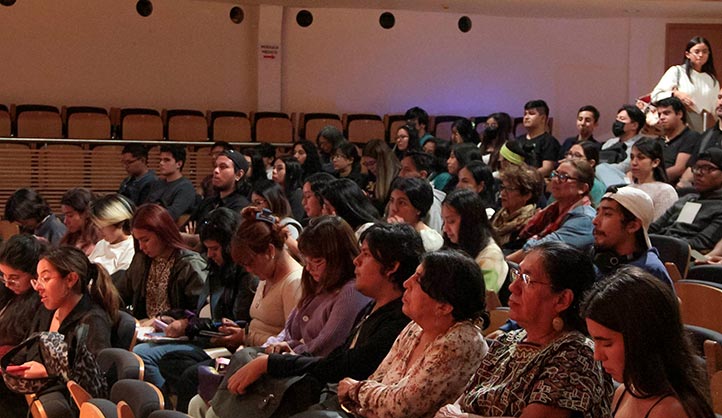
<point>539,144</point>
<point>711,138</point>
<point>679,139</point>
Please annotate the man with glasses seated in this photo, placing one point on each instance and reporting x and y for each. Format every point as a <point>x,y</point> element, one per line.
<point>137,185</point>
<point>697,217</point>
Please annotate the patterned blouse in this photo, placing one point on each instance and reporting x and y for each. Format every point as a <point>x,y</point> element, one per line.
<point>399,389</point>
<point>562,374</point>
<point>157,286</point>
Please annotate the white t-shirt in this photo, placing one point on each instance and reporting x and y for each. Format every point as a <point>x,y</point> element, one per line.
<point>113,257</point>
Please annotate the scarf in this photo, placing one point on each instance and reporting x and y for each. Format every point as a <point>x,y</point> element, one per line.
<point>549,219</point>
<point>507,224</point>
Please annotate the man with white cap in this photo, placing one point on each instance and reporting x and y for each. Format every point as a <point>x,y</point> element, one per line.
<point>620,233</point>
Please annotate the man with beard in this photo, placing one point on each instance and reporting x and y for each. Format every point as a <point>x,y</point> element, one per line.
<point>620,233</point>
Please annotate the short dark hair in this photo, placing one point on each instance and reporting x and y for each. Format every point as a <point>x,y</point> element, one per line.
<point>26,204</point>
<point>567,268</point>
<point>455,278</point>
<point>219,226</point>
<point>591,151</point>
<point>538,104</point>
<point>318,182</point>
<point>177,151</point>
<point>466,153</point>
<point>635,115</point>
<point>395,243</point>
<point>225,145</point>
<point>22,252</point>
<point>675,104</point>
<point>418,114</point>
<point>349,151</point>
<point>419,192</point>
<point>422,161</point>
<point>589,108</point>
<point>466,130</point>
<point>136,150</point>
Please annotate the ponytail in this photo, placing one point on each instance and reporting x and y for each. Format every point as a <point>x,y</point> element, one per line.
<point>102,290</point>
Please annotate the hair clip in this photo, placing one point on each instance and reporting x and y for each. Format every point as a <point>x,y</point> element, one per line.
<point>265,215</point>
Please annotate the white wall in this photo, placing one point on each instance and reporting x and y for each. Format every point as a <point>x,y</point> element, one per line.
<point>189,54</point>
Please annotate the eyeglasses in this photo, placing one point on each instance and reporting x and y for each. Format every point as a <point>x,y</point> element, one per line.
<point>13,278</point>
<point>516,275</point>
<point>315,263</point>
<point>508,189</point>
<point>574,155</point>
<point>369,163</point>
<point>128,162</point>
<point>704,169</point>
<point>335,156</point>
<point>44,280</point>
<point>561,176</point>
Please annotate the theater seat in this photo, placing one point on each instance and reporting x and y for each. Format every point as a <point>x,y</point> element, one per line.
<point>229,126</point>
<point>38,121</point>
<point>360,128</point>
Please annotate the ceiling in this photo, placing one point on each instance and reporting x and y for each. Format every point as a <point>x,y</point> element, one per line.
<point>523,8</point>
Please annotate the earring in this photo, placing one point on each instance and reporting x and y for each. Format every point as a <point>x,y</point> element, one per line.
<point>558,324</point>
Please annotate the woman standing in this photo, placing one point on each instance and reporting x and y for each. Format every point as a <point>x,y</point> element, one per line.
<point>112,214</point>
<point>650,176</point>
<point>694,82</point>
<point>641,342</point>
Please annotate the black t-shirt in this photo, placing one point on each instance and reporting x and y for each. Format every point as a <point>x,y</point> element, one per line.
<point>540,148</point>
<point>685,142</point>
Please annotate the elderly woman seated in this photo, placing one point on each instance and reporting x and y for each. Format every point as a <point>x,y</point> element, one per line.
<point>569,218</point>
<point>519,193</point>
<point>546,369</point>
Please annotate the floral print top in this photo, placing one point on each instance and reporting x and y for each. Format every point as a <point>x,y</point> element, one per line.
<point>562,374</point>
<point>399,389</point>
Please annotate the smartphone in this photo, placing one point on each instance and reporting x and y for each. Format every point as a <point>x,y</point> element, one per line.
<point>206,333</point>
<point>160,324</point>
<point>17,370</point>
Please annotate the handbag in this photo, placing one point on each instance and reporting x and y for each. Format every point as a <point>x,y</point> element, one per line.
<point>268,397</point>
<point>86,371</point>
<point>53,354</point>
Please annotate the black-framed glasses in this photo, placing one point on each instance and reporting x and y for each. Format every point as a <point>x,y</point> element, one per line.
<point>704,169</point>
<point>508,189</point>
<point>563,178</point>
<point>527,279</point>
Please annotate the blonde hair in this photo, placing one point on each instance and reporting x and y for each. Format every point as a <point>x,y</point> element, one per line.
<point>112,209</point>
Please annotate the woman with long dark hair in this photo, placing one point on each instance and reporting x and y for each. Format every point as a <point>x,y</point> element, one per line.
<point>641,342</point>
<point>81,232</point>
<point>307,155</point>
<point>462,131</point>
<point>650,176</point>
<point>694,82</point>
<point>496,133</point>
<point>287,172</point>
<point>345,198</point>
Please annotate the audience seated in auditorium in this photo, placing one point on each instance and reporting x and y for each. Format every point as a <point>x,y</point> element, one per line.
<point>164,274</point>
<point>173,191</point>
<point>467,228</point>
<point>27,208</point>
<point>268,194</point>
<point>519,193</point>
<point>268,154</point>
<point>228,290</point>
<point>383,167</point>
<point>74,292</point>
<point>307,155</point>
<point>207,189</point>
<point>587,122</point>
<point>640,341</point>
<point>419,165</point>
<point>620,233</point>
<point>589,152</point>
<point>461,155</point>
<point>711,138</point>
<point>462,131</point>
<point>547,368</point>
<point>437,352</point>
<point>330,306</point>
<point>18,300</point>
<point>697,217</point>
<point>477,177</point>
<point>679,139</point>
<point>569,218</point>
<point>287,172</point>
<point>81,232</point>
<point>140,180</point>
<point>229,171</point>
<point>313,189</point>
<point>389,255</point>
<point>112,214</point>
<point>345,198</point>
<point>496,133</point>
<point>327,140</point>
<point>440,149</point>
<point>347,163</point>
<point>257,246</point>
<point>649,174</point>
<point>419,119</point>
<point>411,199</point>
<point>540,146</point>
<point>406,140</point>
<point>616,152</point>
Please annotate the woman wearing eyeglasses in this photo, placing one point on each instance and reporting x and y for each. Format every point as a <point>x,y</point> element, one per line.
<point>519,193</point>
<point>569,218</point>
<point>546,369</point>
